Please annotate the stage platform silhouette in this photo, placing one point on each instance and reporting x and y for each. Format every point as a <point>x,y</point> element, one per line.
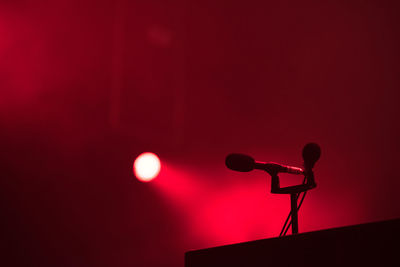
<point>370,244</point>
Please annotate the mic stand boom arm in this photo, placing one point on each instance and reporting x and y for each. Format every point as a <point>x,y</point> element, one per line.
<point>277,189</point>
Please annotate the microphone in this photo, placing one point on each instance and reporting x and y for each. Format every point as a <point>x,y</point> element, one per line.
<point>244,163</point>
<point>311,154</point>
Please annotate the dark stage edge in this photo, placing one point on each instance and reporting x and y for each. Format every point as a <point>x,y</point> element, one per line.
<point>370,244</point>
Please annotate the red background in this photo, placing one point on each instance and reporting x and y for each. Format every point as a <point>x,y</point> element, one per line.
<point>86,86</point>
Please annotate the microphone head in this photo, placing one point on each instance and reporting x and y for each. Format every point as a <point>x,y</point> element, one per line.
<point>311,154</point>
<point>240,162</point>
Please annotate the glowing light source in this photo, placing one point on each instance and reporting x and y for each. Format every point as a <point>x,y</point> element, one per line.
<point>146,167</point>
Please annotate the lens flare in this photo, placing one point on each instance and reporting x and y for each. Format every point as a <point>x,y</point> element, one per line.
<point>146,167</point>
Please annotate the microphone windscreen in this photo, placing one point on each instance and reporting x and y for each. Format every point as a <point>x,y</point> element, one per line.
<point>239,162</point>
<point>311,153</point>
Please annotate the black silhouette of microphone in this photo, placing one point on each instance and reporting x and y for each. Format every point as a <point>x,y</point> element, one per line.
<point>311,154</point>
<point>245,163</point>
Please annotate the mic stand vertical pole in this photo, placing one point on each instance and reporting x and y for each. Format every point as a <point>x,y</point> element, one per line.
<point>293,205</point>
<point>294,192</point>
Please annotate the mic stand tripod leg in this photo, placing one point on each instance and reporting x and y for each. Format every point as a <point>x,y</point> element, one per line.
<point>293,206</point>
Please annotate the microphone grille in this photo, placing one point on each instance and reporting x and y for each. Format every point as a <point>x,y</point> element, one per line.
<point>239,162</point>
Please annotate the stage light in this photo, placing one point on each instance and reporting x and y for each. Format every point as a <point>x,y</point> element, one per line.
<point>146,167</point>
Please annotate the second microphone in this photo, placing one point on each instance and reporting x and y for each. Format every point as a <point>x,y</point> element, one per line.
<point>245,163</point>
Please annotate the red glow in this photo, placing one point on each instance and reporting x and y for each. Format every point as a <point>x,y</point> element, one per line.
<point>146,166</point>
<point>220,213</point>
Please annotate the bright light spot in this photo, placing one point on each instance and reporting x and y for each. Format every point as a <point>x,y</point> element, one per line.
<point>146,167</point>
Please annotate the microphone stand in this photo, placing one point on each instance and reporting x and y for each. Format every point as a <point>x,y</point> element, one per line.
<point>294,191</point>
<point>294,212</point>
